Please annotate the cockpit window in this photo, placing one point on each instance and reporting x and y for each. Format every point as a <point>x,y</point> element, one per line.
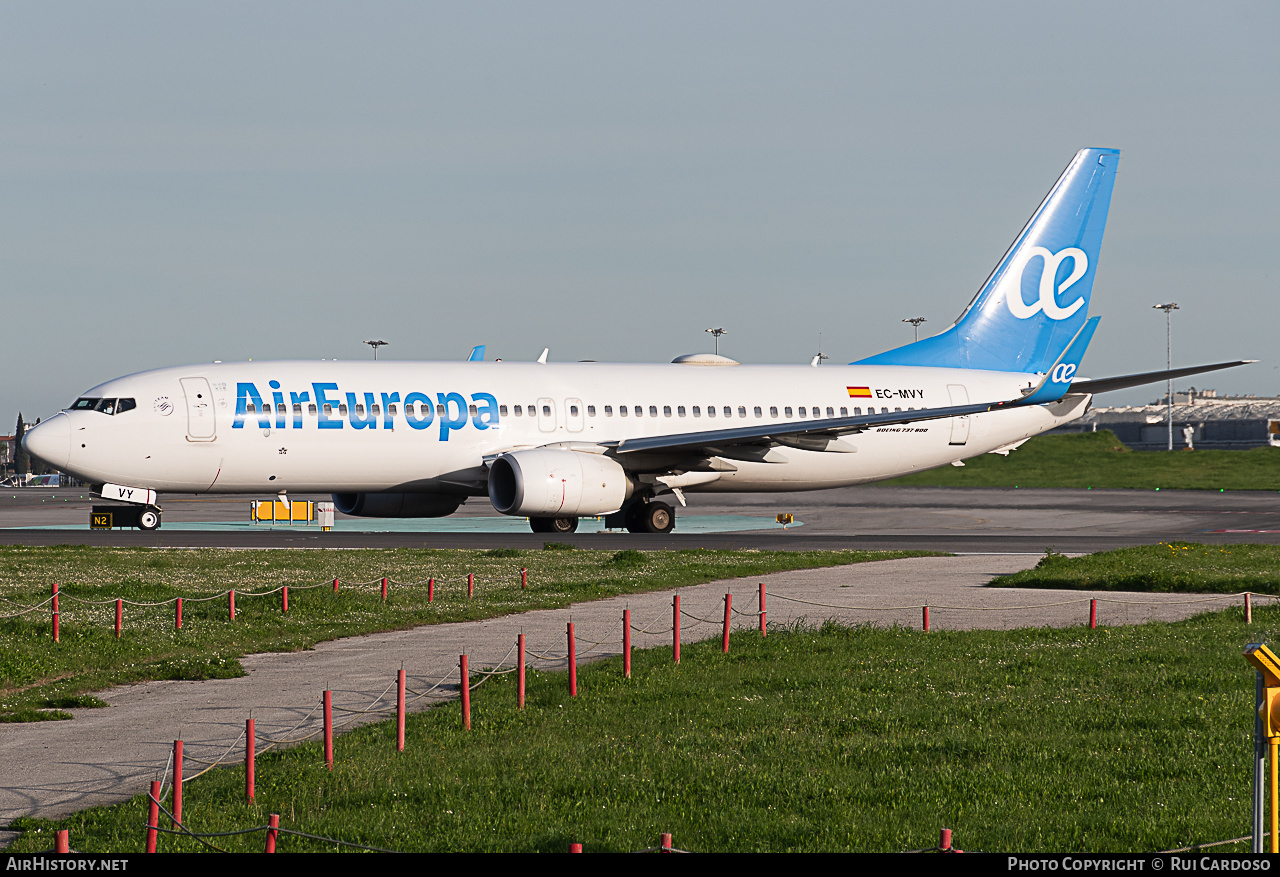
<point>105,406</point>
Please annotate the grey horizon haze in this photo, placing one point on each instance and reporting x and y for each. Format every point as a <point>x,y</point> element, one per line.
<point>183,183</point>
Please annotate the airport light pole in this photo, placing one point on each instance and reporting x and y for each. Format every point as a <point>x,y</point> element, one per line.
<point>916,321</point>
<point>717,333</point>
<point>375,345</point>
<point>1168,308</point>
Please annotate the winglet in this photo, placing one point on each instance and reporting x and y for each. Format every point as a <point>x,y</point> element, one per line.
<point>1057,381</point>
<point>477,354</point>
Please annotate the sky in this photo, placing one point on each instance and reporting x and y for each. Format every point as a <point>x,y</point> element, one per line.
<point>182,183</point>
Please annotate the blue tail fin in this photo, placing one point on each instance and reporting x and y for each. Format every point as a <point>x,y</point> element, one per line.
<point>1036,301</point>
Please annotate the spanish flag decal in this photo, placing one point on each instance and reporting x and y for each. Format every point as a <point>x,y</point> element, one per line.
<point>859,392</point>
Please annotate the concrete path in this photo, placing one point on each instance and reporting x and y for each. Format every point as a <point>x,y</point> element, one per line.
<point>51,769</point>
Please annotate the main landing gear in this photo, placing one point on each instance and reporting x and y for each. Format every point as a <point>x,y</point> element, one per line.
<point>563,526</point>
<point>638,517</point>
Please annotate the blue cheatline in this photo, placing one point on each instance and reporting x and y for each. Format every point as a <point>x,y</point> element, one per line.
<point>684,524</point>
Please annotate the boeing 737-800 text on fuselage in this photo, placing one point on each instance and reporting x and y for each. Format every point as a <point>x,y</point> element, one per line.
<point>555,442</point>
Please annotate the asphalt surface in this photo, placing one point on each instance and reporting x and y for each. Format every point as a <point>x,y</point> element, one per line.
<point>969,520</point>
<point>54,768</point>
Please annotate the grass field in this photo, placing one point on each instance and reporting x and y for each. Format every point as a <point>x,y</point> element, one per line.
<point>1167,567</point>
<point>39,679</point>
<point>1122,739</point>
<point>1099,460</point>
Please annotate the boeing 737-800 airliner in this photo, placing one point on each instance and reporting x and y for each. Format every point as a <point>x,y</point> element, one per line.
<point>555,442</point>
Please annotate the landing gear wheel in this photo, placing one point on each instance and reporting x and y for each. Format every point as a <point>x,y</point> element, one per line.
<point>553,525</point>
<point>149,519</point>
<point>651,517</point>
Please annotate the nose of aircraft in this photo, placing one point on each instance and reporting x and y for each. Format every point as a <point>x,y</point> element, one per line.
<point>50,441</point>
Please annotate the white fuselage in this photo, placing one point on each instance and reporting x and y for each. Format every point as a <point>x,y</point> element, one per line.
<point>336,427</point>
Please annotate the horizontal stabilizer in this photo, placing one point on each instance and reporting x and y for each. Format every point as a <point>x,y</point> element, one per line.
<point>1124,382</point>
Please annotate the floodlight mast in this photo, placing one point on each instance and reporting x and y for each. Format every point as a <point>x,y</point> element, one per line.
<point>1168,307</point>
<point>915,321</point>
<point>717,333</point>
<point>375,345</point>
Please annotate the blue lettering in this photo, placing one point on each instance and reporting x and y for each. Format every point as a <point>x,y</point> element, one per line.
<point>388,416</point>
<point>449,420</point>
<point>247,394</point>
<point>277,402</point>
<point>411,403</point>
<point>370,419</point>
<point>486,410</point>
<point>296,400</point>
<point>326,420</point>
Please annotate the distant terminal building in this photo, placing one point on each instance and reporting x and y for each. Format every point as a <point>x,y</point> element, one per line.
<point>1201,419</point>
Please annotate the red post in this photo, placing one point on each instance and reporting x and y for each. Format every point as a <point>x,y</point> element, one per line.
<point>728,608</point>
<point>471,585</point>
<point>665,843</point>
<point>273,831</point>
<point>626,643</point>
<point>1093,612</point>
<point>520,672</point>
<point>763,626</point>
<point>1248,608</point>
<point>250,746</point>
<point>328,728</point>
<point>335,586</point>
<point>231,604</point>
<point>55,612</point>
<point>675,629</point>
<point>177,615</point>
<point>431,590</point>
<point>524,577</point>
<point>926,619</point>
<point>944,840</point>
<point>575,848</point>
<point>573,663</point>
<point>384,589</point>
<point>400,711</point>
<point>284,599</point>
<point>466,691</point>
<point>62,841</point>
<point>153,816</point>
<point>177,782</point>
<point>119,617</point>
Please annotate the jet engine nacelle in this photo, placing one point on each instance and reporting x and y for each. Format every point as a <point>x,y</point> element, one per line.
<point>397,505</point>
<point>553,483</point>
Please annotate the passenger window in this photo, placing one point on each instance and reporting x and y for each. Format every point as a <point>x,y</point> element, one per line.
<point>440,409</point>
<point>472,410</point>
<point>311,409</point>
<point>591,411</point>
<point>697,411</point>
<point>831,412</point>
<point>297,407</point>
<point>758,412</point>
<point>391,409</point>
<point>328,409</point>
<point>802,411</point>
<point>546,410</point>
<point>342,409</point>
<point>573,410</point>
<point>360,409</point>
<point>519,411</point>
<point>773,410</point>
<point>711,410</point>
<point>742,410</point>
<point>666,411</point>
<point>728,411</point>
<point>857,412</point>
<point>787,411</point>
<point>608,411</point>
<point>502,410</point>
<point>844,412</point>
<point>622,410</point>
<point>680,410</point>
<point>249,406</point>
<point>640,412</point>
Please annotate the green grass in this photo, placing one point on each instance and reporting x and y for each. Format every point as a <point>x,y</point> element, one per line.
<point>39,679</point>
<point>1124,739</point>
<point>1099,460</point>
<point>1167,567</point>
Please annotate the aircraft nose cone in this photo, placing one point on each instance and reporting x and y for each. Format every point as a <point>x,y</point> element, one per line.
<point>50,441</point>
